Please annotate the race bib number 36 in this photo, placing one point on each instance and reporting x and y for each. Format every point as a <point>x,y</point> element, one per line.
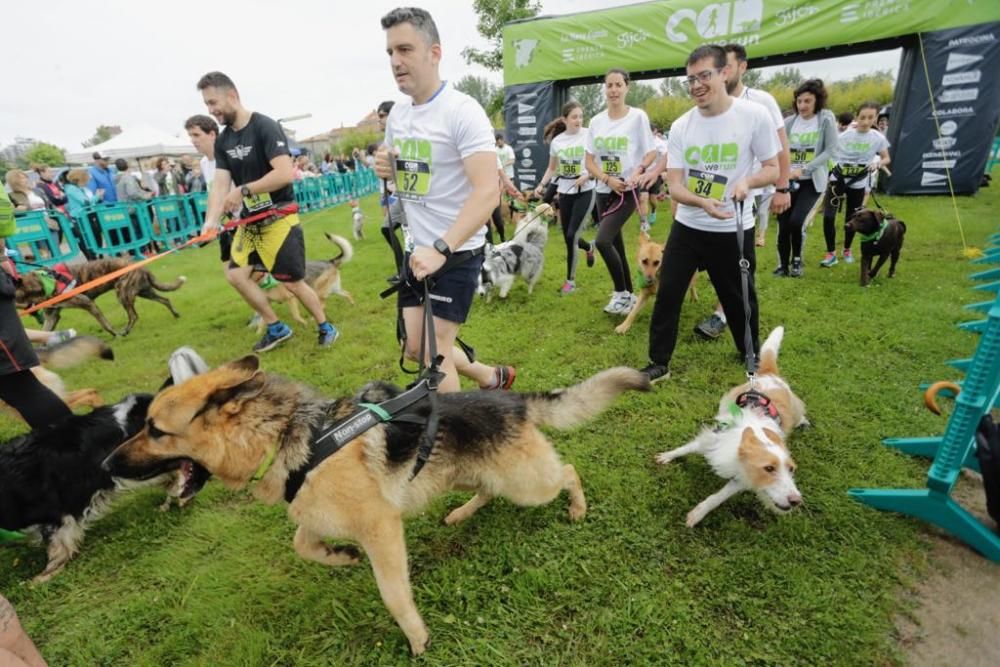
<point>706,184</point>
<point>413,178</point>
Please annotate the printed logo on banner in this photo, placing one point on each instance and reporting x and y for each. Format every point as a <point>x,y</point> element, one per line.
<point>939,164</point>
<point>524,50</point>
<point>526,152</point>
<point>953,111</point>
<point>958,95</point>
<point>931,178</point>
<point>786,17</point>
<point>948,127</point>
<point>956,60</point>
<point>944,143</point>
<point>527,162</point>
<point>961,78</point>
<point>627,39</point>
<point>527,120</point>
<point>849,14</point>
<point>526,131</point>
<point>717,20</point>
<point>525,108</point>
<point>971,40</point>
<point>567,55</point>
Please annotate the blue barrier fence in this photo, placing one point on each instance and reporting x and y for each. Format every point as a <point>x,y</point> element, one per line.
<point>49,237</point>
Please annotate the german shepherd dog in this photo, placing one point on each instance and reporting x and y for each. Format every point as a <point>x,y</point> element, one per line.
<point>52,484</point>
<point>887,242</point>
<point>649,257</point>
<point>138,283</point>
<point>322,275</point>
<point>235,418</point>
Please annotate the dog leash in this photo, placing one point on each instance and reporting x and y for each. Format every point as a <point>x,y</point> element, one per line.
<point>751,357</point>
<point>118,273</point>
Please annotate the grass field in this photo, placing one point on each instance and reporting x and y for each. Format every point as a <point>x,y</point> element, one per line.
<point>219,583</point>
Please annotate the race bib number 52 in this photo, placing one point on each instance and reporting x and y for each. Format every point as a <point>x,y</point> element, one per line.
<point>413,178</point>
<point>706,184</point>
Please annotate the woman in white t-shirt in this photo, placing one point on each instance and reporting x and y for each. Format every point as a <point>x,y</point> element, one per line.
<point>567,153</point>
<point>619,149</point>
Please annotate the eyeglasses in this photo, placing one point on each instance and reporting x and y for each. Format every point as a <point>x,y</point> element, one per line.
<point>702,77</point>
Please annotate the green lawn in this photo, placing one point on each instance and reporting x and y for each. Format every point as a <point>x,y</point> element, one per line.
<point>219,583</point>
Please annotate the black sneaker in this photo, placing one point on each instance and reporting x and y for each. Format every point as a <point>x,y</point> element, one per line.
<point>655,373</point>
<point>780,272</point>
<point>710,328</point>
<point>796,270</point>
<point>272,340</point>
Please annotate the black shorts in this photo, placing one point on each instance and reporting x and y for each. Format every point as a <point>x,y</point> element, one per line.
<point>451,292</point>
<point>655,187</point>
<point>225,244</point>
<point>279,248</point>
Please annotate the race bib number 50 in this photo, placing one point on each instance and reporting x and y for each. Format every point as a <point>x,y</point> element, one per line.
<point>413,178</point>
<point>706,184</point>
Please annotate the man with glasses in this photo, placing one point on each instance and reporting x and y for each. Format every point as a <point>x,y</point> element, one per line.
<point>712,151</point>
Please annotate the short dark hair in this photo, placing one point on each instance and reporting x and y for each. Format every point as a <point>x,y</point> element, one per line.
<point>845,118</point>
<point>386,106</point>
<point>618,70</point>
<point>737,50</point>
<point>215,80</point>
<point>204,123</point>
<point>121,164</point>
<point>868,104</point>
<point>419,18</point>
<point>816,87</point>
<point>713,51</point>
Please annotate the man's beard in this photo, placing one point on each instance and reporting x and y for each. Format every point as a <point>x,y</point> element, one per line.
<point>732,85</point>
<point>228,118</point>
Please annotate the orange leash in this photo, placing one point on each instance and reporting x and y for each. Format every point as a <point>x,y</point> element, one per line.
<point>201,238</point>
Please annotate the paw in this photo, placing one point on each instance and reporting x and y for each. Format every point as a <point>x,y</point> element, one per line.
<point>621,328</point>
<point>419,644</point>
<point>577,512</point>
<point>694,517</point>
<point>663,458</point>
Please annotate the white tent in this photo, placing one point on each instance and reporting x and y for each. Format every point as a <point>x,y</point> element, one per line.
<point>136,142</point>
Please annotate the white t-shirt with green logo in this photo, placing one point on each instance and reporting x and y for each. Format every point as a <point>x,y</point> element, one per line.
<point>619,145</point>
<point>571,150</point>
<point>433,139</point>
<point>766,100</point>
<point>855,151</point>
<point>802,141</point>
<point>715,153</point>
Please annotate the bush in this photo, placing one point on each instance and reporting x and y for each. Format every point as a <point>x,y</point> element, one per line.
<point>355,139</point>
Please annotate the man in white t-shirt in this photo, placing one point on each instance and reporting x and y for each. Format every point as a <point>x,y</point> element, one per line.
<point>440,151</point>
<point>202,130</point>
<point>711,156</point>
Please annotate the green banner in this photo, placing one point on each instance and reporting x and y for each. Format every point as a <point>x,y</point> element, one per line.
<point>660,35</point>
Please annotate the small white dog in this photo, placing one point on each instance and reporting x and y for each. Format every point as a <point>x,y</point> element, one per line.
<point>747,448</point>
<point>359,221</point>
<point>523,255</point>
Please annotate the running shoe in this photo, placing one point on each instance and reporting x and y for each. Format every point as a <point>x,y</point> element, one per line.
<point>829,259</point>
<point>655,373</point>
<point>276,334</point>
<point>848,257</point>
<point>327,334</point>
<point>796,270</point>
<point>710,328</point>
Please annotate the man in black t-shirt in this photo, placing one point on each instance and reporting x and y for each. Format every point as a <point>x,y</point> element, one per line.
<point>252,153</point>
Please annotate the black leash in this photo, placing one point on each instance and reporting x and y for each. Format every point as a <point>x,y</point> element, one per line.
<point>751,357</point>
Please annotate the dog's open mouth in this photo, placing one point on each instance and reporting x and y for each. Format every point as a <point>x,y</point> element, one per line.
<point>194,477</point>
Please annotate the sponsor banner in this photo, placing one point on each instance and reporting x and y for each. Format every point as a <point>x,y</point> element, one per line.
<point>525,108</point>
<point>934,142</point>
<point>660,35</point>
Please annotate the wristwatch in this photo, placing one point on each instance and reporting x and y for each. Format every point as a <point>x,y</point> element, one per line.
<point>245,191</point>
<point>442,247</point>
<point>783,191</point>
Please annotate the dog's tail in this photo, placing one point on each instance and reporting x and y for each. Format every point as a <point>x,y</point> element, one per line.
<point>565,408</point>
<point>74,351</point>
<point>346,249</point>
<point>930,395</point>
<point>769,352</point>
<point>167,287</point>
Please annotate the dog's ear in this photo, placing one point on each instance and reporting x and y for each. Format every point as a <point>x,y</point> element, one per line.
<point>879,217</point>
<point>248,364</point>
<point>231,394</point>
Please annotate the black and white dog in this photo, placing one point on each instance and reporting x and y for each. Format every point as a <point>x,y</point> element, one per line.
<point>52,485</point>
<point>523,255</point>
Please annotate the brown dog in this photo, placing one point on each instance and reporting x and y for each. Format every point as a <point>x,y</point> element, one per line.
<point>649,258</point>
<point>236,419</point>
<point>881,236</point>
<point>322,275</point>
<point>138,283</point>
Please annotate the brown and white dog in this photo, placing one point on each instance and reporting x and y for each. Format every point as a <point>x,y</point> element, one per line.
<point>649,257</point>
<point>322,275</point>
<point>128,287</point>
<point>748,447</point>
<point>241,424</point>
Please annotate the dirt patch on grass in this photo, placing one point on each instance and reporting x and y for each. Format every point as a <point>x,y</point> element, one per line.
<point>956,615</point>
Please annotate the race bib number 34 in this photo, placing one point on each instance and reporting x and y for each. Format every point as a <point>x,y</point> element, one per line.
<point>413,178</point>
<point>706,184</point>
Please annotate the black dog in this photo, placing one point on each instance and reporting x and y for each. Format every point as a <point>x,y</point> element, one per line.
<point>52,484</point>
<point>881,236</point>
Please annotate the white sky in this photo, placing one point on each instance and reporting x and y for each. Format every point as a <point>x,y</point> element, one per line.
<point>118,62</point>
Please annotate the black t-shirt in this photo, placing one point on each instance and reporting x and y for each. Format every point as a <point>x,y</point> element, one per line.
<point>246,154</point>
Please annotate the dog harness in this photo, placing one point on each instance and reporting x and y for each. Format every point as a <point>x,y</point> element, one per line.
<point>56,280</point>
<point>328,439</point>
<point>753,399</point>
<point>877,234</point>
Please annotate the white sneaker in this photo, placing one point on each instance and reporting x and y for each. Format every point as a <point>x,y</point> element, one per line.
<point>613,303</point>
<point>623,304</point>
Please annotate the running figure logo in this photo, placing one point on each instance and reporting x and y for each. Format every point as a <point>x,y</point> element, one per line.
<point>716,20</point>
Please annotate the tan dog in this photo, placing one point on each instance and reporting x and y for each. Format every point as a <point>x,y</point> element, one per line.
<point>748,447</point>
<point>322,275</point>
<point>649,258</point>
<point>233,420</point>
